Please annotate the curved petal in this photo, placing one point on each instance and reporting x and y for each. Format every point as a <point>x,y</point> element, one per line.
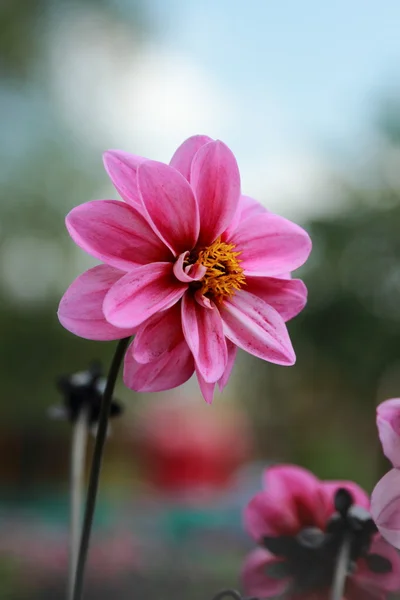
<point>166,372</point>
<point>190,272</point>
<point>270,245</point>
<point>116,234</point>
<point>159,334</point>
<point>385,507</point>
<point>388,422</point>
<point>329,489</point>
<point>141,293</point>
<point>232,351</point>
<point>256,327</point>
<point>183,157</point>
<point>247,207</point>
<point>256,581</point>
<point>81,307</point>
<point>299,491</point>
<point>216,182</point>
<point>202,328</point>
<point>388,582</point>
<point>287,296</point>
<point>169,204</point>
<point>122,170</point>
<point>207,389</point>
<point>265,516</point>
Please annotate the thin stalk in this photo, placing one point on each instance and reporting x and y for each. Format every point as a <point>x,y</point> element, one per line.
<point>96,466</point>
<point>341,571</point>
<point>78,456</point>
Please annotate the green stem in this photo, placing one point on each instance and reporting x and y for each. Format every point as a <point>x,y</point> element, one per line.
<point>96,466</point>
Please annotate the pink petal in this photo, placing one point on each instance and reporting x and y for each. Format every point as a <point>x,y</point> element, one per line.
<point>170,205</point>
<point>207,389</point>
<point>122,170</point>
<point>202,329</point>
<point>141,293</point>
<point>388,422</point>
<point>270,245</point>
<point>232,351</point>
<point>254,576</point>
<point>256,327</point>
<point>299,491</point>
<point>116,234</point>
<point>159,334</point>
<point>183,157</point>
<point>247,207</point>
<point>190,272</point>
<point>329,489</point>
<point>287,296</point>
<point>387,582</point>
<point>385,507</point>
<point>216,181</point>
<point>355,591</point>
<point>81,307</point>
<point>169,370</point>
<point>265,516</point>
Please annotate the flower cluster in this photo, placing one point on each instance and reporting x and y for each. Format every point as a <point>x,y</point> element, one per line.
<point>300,524</point>
<point>192,267</point>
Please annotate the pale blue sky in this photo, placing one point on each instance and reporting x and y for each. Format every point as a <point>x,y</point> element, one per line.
<point>323,65</point>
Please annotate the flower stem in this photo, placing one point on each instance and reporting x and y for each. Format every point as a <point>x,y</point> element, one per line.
<point>96,466</point>
<point>78,454</point>
<point>341,571</point>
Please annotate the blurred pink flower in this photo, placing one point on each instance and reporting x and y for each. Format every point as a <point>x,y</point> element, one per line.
<point>299,523</point>
<point>193,267</point>
<point>202,455</point>
<point>385,499</point>
<point>388,422</point>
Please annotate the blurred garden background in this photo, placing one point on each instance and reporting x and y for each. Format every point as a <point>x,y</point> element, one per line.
<point>307,95</point>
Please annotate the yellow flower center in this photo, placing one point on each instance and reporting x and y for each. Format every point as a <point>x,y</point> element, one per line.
<point>224,275</point>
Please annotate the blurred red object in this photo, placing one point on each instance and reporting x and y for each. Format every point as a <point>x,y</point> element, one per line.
<point>186,448</point>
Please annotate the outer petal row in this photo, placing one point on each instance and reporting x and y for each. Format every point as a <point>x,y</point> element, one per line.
<point>80,309</point>
<point>258,328</point>
<point>116,234</point>
<point>183,157</point>
<point>203,332</point>
<point>141,293</point>
<point>215,180</point>
<point>270,245</point>
<point>169,205</point>
<point>122,170</point>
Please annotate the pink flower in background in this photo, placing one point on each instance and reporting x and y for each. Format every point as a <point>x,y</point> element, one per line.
<point>299,523</point>
<point>192,267</point>
<point>385,499</point>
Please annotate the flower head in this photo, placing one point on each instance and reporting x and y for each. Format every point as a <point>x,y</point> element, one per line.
<point>385,499</point>
<point>191,266</point>
<point>83,390</point>
<point>300,524</point>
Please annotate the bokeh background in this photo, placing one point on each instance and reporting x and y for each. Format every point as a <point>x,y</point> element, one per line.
<point>307,95</point>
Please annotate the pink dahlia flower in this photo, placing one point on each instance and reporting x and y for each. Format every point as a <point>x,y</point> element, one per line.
<point>300,523</point>
<point>191,266</point>
<point>385,499</point>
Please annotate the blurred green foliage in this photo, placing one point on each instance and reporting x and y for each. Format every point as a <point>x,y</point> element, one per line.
<point>320,412</point>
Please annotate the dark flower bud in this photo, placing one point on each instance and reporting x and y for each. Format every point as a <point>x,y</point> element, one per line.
<point>83,390</point>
